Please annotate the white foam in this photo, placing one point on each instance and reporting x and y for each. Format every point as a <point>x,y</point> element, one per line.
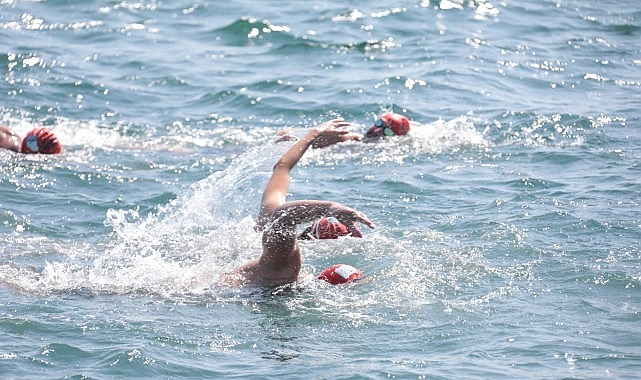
<point>184,245</point>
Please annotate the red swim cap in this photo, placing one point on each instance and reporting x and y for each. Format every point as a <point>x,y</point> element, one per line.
<point>40,140</point>
<point>399,123</point>
<point>340,274</point>
<point>325,228</point>
<point>389,124</point>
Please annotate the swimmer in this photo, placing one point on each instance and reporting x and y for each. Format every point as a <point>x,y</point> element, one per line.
<point>278,219</point>
<point>38,140</point>
<point>389,124</point>
<point>325,228</point>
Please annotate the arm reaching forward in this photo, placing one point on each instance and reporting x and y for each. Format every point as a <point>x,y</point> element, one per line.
<point>276,190</point>
<point>289,215</point>
<point>281,261</point>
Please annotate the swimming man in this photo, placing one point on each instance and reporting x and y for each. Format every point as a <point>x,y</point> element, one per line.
<point>280,261</point>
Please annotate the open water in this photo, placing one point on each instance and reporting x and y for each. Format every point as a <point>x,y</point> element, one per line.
<point>509,220</point>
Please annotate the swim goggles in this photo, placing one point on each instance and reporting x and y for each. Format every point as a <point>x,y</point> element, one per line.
<point>387,130</point>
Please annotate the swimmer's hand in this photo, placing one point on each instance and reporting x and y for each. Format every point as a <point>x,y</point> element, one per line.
<point>349,217</point>
<point>331,132</point>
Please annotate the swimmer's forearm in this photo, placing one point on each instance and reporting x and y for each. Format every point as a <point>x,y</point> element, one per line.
<point>291,214</point>
<point>294,154</point>
<point>299,212</point>
<point>329,130</point>
<point>284,219</point>
<point>276,188</point>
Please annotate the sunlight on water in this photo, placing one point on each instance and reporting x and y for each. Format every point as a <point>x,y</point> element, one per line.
<point>183,246</point>
<point>423,140</point>
<point>507,220</point>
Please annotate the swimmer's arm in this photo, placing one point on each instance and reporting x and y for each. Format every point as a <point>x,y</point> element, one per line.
<point>9,140</point>
<point>289,215</point>
<point>322,142</point>
<point>275,192</point>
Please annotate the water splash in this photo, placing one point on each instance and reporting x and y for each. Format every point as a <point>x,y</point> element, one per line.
<point>181,248</point>
<point>423,140</point>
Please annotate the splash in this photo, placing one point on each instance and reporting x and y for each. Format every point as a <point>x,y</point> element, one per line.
<point>423,140</point>
<point>181,248</point>
<point>482,9</point>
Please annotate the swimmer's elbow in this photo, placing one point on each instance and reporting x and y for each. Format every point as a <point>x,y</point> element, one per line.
<point>280,164</point>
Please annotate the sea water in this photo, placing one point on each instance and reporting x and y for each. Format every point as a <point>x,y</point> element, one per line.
<point>508,223</point>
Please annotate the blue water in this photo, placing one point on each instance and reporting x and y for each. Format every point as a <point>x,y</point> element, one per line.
<point>508,221</point>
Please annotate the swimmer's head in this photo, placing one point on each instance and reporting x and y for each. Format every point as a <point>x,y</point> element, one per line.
<point>40,140</point>
<point>325,228</point>
<point>390,124</point>
<point>340,274</point>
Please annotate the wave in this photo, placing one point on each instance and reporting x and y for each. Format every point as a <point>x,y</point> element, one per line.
<point>533,129</point>
<point>184,244</point>
<point>179,248</point>
<point>250,31</point>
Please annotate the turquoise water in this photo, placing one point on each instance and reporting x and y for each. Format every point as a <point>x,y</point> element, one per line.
<point>508,221</point>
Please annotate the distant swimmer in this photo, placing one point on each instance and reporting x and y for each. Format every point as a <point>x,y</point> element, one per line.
<point>389,124</point>
<point>281,260</point>
<point>38,140</point>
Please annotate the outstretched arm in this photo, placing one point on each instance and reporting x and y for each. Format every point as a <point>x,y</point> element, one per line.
<point>275,192</point>
<point>286,217</point>
<point>331,140</point>
<point>280,261</point>
<point>280,250</point>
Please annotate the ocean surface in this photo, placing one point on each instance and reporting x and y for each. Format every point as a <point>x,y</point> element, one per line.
<point>508,221</point>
